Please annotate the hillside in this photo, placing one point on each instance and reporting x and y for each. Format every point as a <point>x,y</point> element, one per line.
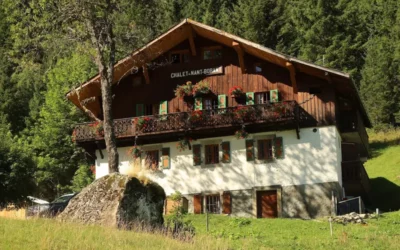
<point>384,170</point>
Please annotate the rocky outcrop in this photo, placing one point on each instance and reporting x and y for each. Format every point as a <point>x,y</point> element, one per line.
<point>352,218</point>
<point>119,201</point>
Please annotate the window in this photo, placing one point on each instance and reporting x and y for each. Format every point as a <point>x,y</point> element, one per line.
<point>258,67</point>
<point>181,56</point>
<point>151,109</point>
<point>210,103</point>
<point>262,98</point>
<point>212,53</point>
<point>152,159</point>
<point>264,149</point>
<point>213,204</point>
<point>212,154</point>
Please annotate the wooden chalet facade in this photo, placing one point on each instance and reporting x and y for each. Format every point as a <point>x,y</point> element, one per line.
<point>306,125</point>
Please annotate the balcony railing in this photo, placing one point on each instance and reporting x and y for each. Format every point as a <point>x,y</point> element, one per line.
<point>354,172</point>
<point>288,112</point>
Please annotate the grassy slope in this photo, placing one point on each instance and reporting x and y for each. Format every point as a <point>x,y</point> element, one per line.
<point>225,233</point>
<point>384,170</point>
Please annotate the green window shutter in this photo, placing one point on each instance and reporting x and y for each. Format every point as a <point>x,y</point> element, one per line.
<point>198,103</point>
<point>139,109</point>
<point>163,107</point>
<point>221,101</point>
<point>166,159</point>
<point>250,98</point>
<point>274,95</point>
<point>196,155</point>
<point>278,148</point>
<point>226,152</point>
<point>249,150</point>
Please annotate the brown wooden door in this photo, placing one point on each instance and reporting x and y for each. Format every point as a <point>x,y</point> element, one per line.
<point>267,204</point>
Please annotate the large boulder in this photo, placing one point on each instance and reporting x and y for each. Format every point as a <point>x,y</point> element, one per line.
<point>118,201</point>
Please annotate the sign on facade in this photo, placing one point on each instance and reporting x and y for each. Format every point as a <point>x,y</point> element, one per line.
<point>197,72</point>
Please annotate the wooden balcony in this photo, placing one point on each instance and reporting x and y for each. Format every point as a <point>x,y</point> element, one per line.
<point>352,129</point>
<point>355,179</point>
<point>278,116</point>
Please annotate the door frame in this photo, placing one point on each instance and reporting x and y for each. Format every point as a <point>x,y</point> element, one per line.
<point>278,190</point>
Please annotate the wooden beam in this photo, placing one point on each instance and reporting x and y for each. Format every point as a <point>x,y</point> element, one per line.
<point>292,72</point>
<point>191,41</point>
<point>328,77</point>
<point>146,74</point>
<point>240,53</point>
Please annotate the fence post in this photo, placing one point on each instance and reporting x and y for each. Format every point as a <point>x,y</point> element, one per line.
<point>359,205</point>
<point>206,220</point>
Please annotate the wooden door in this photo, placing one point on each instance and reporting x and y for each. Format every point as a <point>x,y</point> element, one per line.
<point>267,204</point>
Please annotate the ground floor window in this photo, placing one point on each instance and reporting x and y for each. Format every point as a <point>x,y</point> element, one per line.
<point>213,204</point>
<point>264,149</point>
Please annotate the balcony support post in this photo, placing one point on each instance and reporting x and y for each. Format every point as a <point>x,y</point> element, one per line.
<point>99,148</point>
<point>297,119</point>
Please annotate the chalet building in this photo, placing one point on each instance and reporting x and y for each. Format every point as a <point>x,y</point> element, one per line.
<point>235,127</point>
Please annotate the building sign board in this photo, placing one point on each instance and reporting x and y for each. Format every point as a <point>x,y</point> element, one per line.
<point>197,72</point>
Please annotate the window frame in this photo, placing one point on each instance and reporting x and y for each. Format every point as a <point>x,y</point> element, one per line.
<point>212,203</point>
<point>265,152</point>
<point>264,94</point>
<point>213,55</point>
<point>181,56</point>
<point>149,165</point>
<point>211,154</point>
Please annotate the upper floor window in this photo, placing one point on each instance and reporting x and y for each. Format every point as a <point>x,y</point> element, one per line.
<point>212,154</point>
<point>151,160</point>
<point>257,67</point>
<point>151,109</point>
<point>264,149</point>
<point>210,103</point>
<point>212,53</point>
<point>262,97</point>
<point>181,56</point>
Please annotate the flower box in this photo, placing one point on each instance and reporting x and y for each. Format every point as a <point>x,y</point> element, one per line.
<point>142,122</point>
<point>196,116</point>
<point>236,92</point>
<point>97,128</point>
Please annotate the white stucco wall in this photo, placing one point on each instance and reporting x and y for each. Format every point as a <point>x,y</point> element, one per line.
<point>315,158</point>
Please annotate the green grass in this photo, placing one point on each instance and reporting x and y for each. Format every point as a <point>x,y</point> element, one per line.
<point>225,233</point>
<point>384,169</point>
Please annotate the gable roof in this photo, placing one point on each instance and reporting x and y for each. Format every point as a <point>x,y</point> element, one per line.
<point>183,31</point>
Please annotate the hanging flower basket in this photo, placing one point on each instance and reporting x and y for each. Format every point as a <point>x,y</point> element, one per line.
<point>183,144</point>
<point>241,134</point>
<point>135,152</point>
<point>142,122</point>
<point>73,137</point>
<point>201,88</point>
<point>183,91</point>
<point>196,116</point>
<point>236,92</point>
<point>98,128</point>
<point>244,113</point>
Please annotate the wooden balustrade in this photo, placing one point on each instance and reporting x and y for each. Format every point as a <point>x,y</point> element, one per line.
<point>354,171</point>
<point>276,113</point>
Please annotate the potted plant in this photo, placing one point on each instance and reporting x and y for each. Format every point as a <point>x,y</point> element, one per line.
<point>196,116</point>
<point>98,128</point>
<point>135,152</point>
<point>241,134</point>
<point>236,92</point>
<point>244,112</point>
<point>201,88</point>
<point>142,122</point>
<point>184,91</point>
<point>183,144</point>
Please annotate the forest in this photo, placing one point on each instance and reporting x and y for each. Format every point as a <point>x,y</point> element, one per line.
<point>43,56</point>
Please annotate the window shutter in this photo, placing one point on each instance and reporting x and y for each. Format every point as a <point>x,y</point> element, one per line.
<point>226,203</point>
<point>250,98</point>
<point>198,103</point>
<point>163,107</point>
<point>250,150</point>
<point>197,203</point>
<point>226,152</point>
<point>274,95</point>
<point>196,155</point>
<point>166,160</point>
<point>139,109</point>
<point>278,146</point>
<point>221,101</point>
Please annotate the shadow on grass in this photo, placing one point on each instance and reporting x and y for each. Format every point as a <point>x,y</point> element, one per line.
<point>377,147</point>
<point>385,194</point>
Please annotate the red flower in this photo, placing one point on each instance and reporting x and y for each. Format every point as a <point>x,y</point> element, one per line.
<point>235,91</point>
